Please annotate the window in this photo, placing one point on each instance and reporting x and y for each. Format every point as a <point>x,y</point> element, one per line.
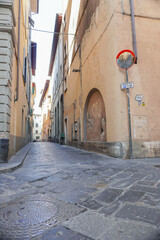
<point>56,80</point>
<point>65,84</point>
<point>24,65</point>
<point>36,131</point>
<point>75,129</point>
<point>65,21</point>
<point>65,50</point>
<point>79,130</point>
<point>25,70</point>
<point>24,53</point>
<point>76,45</point>
<point>60,71</point>
<point>31,112</point>
<point>72,132</point>
<point>66,129</point>
<point>33,57</point>
<point>36,124</point>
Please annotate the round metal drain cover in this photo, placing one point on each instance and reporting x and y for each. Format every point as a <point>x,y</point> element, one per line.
<point>30,213</point>
<point>32,216</point>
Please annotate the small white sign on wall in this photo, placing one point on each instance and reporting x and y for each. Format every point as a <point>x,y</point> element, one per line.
<point>127,85</point>
<point>139,98</point>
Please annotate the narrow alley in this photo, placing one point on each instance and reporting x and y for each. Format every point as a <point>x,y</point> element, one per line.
<point>79,120</point>
<point>64,193</point>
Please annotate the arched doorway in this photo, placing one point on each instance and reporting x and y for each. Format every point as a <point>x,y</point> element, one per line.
<point>94,117</point>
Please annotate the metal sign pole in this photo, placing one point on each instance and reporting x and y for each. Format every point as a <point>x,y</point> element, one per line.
<point>125,59</point>
<point>129,119</point>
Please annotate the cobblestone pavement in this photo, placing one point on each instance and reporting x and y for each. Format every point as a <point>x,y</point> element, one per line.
<point>63,193</point>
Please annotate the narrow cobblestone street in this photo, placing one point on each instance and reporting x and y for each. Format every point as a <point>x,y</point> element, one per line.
<point>65,193</point>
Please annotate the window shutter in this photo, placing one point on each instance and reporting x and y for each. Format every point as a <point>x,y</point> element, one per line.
<point>23,61</point>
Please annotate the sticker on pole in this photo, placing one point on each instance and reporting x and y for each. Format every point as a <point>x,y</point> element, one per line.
<point>125,59</point>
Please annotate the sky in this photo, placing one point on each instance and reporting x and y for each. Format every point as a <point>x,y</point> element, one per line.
<point>45,20</point>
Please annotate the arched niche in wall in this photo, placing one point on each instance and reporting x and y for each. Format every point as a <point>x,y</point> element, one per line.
<point>94,117</point>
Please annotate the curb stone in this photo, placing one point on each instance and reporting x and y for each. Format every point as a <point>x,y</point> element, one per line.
<point>16,160</point>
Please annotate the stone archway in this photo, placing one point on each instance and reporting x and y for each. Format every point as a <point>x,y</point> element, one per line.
<point>94,117</point>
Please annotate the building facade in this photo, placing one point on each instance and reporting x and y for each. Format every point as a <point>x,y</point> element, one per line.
<point>37,128</point>
<point>15,74</point>
<point>45,105</point>
<point>32,111</point>
<point>56,82</point>
<point>95,107</point>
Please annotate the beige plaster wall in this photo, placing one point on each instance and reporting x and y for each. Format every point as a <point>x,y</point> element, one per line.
<point>145,74</point>
<point>110,32</point>
<point>19,138</point>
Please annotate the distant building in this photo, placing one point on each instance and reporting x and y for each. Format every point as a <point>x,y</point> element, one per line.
<point>37,128</point>
<point>45,105</point>
<point>56,82</point>
<point>33,96</point>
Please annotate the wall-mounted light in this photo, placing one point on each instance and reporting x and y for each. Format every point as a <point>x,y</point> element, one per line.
<point>76,70</point>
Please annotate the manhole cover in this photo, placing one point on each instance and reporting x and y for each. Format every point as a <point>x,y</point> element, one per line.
<point>31,216</point>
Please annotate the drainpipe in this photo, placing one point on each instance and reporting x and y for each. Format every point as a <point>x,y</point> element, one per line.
<point>18,57</point>
<point>133,29</point>
<point>63,75</point>
<point>30,76</point>
<point>80,67</point>
<point>74,106</point>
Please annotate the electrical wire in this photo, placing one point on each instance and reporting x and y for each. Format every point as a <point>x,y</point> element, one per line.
<point>40,30</point>
<point>44,31</point>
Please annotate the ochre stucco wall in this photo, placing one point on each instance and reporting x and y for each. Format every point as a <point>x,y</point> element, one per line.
<point>19,137</point>
<point>145,74</point>
<point>110,32</point>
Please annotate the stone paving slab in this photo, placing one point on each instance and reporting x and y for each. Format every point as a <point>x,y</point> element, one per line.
<point>128,182</point>
<point>147,183</point>
<point>109,195</point>
<point>122,175</point>
<point>72,197</point>
<point>91,204</point>
<point>111,209</point>
<point>146,189</point>
<point>151,200</point>
<point>131,196</point>
<point>61,233</point>
<point>131,231</point>
<point>91,224</point>
<point>140,213</point>
<point>154,176</point>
